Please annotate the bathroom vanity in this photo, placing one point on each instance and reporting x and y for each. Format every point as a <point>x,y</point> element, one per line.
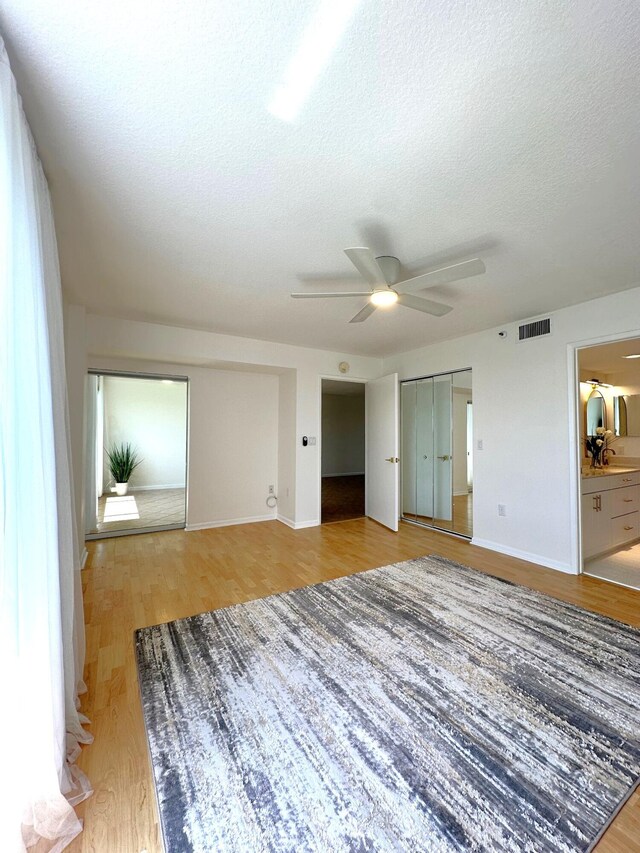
<point>610,509</point>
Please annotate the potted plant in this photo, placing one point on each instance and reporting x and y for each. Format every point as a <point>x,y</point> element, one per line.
<point>123,460</point>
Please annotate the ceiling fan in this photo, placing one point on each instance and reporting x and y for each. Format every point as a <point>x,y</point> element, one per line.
<point>383,272</point>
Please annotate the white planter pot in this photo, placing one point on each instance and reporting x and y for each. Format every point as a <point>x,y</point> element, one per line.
<point>121,488</point>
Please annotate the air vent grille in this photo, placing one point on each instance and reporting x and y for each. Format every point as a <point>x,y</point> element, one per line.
<point>534,329</point>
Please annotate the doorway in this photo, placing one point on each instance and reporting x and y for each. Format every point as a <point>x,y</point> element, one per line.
<point>609,435</point>
<point>135,453</point>
<point>342,450</point>
<point>436,451</point>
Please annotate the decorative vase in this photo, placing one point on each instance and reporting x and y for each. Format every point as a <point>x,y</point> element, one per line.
<point>121,489</point>
<point>596,461</point>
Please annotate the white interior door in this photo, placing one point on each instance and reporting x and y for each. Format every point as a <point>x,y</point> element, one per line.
<point>382,480</point>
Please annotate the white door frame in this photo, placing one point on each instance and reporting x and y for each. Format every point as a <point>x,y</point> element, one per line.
<point>334,379</point>
<point>575,427</point>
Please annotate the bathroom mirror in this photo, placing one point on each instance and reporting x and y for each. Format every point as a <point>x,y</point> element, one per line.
<point>596,412</point>
<point>626,412</point>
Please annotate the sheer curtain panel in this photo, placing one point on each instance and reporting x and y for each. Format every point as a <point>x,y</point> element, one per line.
<point>41,619</point>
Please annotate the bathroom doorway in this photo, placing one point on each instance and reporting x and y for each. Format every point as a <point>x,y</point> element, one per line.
<point>135,453</point>
<point>342,450</point>
<point>609,435</point>
<point>436,414</point>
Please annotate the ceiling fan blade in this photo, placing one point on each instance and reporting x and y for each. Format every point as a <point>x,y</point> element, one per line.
<point>331,295</point>
<point>361,316</point>
<point>364,261</point>
<point>437,309</point>
<point>444,275</point>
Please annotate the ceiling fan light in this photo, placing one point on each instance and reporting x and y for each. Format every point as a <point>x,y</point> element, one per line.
<point>383,298</point>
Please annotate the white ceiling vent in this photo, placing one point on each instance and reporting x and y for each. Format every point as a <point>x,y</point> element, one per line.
<point>534,329</point>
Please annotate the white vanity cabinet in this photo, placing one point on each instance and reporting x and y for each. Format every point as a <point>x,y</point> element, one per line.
<point>610,512</point>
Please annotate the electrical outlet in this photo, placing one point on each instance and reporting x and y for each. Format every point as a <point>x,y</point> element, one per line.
<point>480,444</point>
<point>502,510</point>
<point>271,490</point>
<point>312,440</point>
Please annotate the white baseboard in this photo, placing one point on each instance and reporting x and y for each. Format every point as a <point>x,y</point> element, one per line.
<point>83,558</point>
<point>346,474</point>
<point>297,525</point>
<point>525,555</point>
<point>228,522</point>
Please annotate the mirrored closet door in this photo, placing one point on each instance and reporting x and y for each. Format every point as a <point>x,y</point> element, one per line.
<point>437,453</point>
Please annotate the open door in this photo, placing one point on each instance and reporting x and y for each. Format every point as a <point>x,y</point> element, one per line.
<point>382,473</point>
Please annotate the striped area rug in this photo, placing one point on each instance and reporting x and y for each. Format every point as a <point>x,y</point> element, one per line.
<point>422,706</point>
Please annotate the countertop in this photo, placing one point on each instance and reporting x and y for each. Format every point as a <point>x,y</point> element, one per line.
<point>607,471</point>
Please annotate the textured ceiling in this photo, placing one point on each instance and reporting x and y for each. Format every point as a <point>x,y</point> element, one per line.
<point>436,131</point>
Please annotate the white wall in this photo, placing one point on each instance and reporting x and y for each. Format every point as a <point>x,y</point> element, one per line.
<point>108,337</point>
<point>152,416</point>
<point>287,447</point>
<point>233,440</point>
<point>523,415</point>
<point>343,444</point>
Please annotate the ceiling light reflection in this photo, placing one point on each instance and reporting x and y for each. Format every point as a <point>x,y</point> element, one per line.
<point>318,42</point>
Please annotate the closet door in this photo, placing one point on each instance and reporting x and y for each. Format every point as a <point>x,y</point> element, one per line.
<point>408,448</point>
<point>443,452</point>
<point>425,450</point>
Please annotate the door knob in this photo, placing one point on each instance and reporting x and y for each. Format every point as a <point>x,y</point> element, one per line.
<point>445,458</point>
<point>392,459</point>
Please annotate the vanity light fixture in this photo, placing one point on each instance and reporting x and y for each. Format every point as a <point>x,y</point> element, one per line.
<point>595,383</point>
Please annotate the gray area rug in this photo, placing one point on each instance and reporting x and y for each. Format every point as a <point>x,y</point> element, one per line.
<point>418,707</point>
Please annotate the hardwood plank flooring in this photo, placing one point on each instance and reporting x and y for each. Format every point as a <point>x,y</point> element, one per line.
<point>134,581</point>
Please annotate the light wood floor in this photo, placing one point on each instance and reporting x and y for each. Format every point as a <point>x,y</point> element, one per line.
<point>141,580</point>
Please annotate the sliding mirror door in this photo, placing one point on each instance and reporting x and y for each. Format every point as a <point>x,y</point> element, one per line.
<point>408,449</point>
<point>442,428</point>
<point>145,417</point>
<point>437,462</point>
<point>425,446</point>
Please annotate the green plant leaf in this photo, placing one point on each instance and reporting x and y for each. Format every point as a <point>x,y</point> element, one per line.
<point>123,460</point>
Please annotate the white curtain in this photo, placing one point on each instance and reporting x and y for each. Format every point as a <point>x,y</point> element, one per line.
<point>41,619</point>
